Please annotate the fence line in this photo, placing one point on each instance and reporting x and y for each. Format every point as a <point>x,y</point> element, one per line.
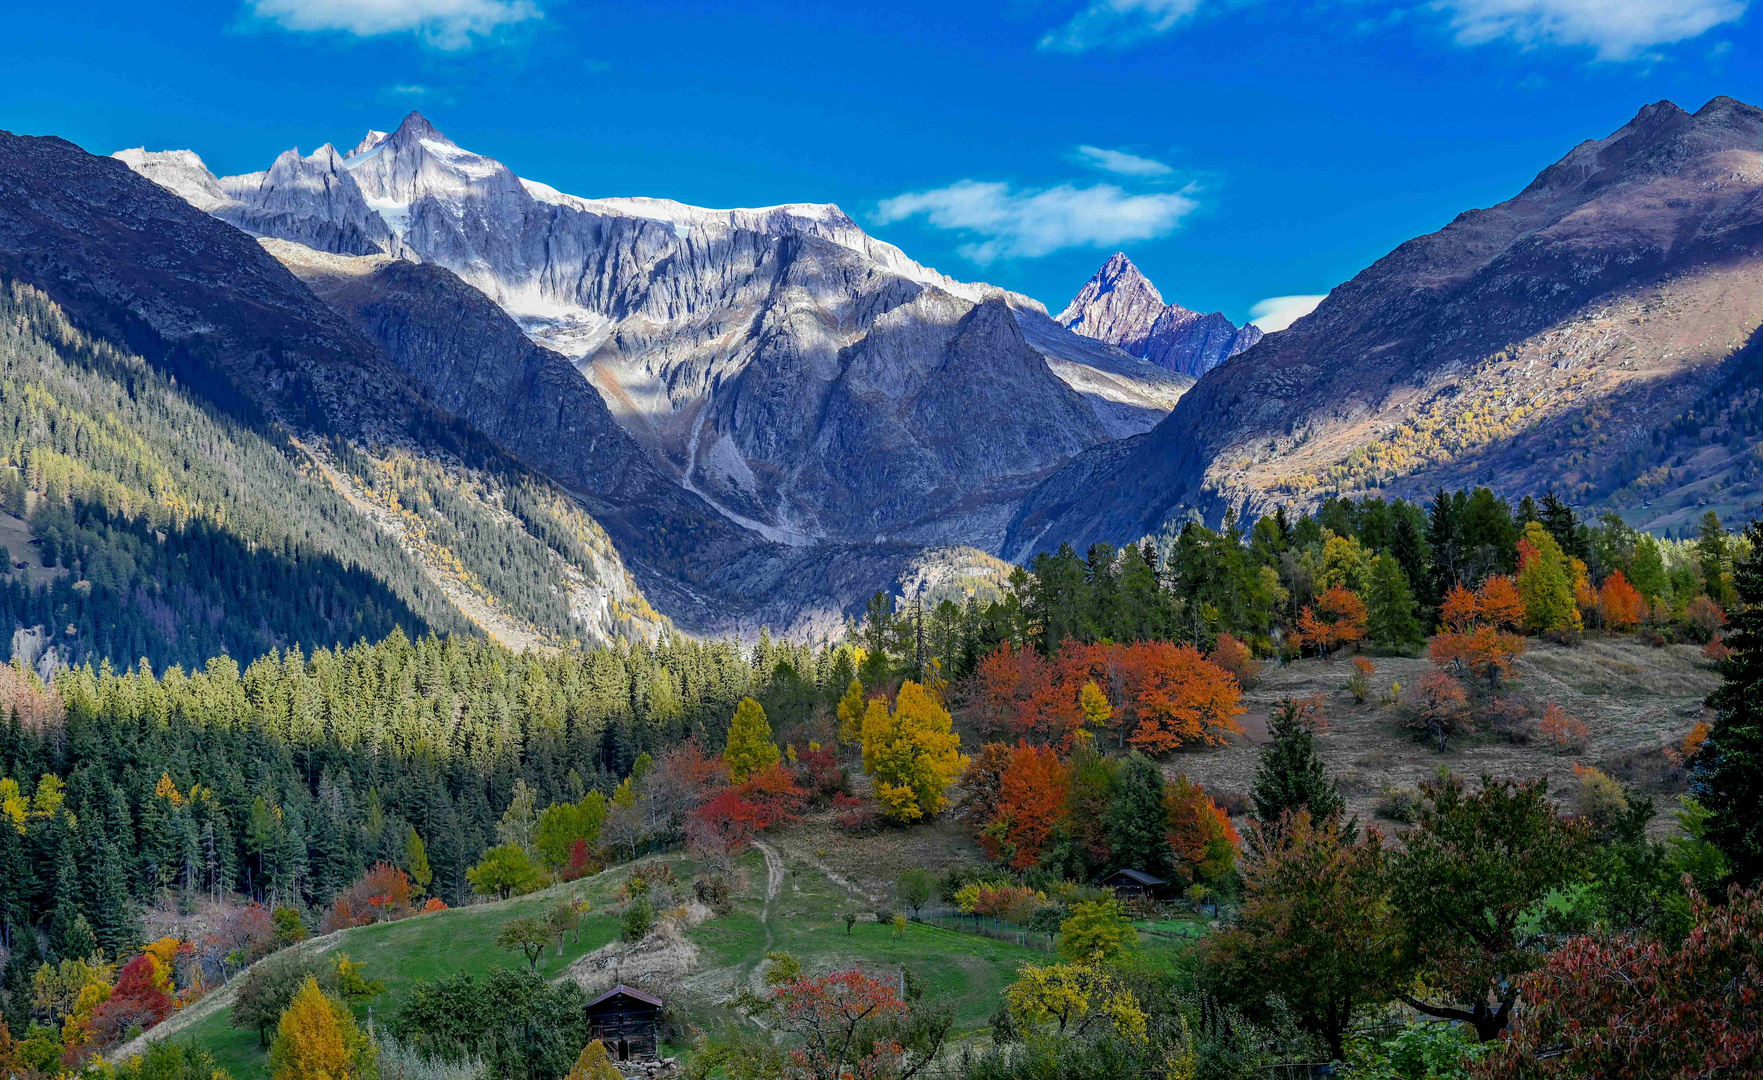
<point>987,926</point>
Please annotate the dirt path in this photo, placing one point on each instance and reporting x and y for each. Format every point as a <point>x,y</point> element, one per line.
<point>774,875</point>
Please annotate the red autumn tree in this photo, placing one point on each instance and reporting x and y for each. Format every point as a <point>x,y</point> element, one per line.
<point>1631,1006</point>
<point>139,999</point>
<point>383,894</point>
<point>1201,835</point>
<point>1178,697</point>
<point>1485,653</point>
<point>726,821</point>
<point>842,1023</point>
<point>1031,802</point>
<point>1007,687</point>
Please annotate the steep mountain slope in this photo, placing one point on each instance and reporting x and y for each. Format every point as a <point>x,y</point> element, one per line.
<point>1565,337</point>
<point>708,574</point>
<point>735,345</point>
<point>1120,306</point>
<point>296,435</point>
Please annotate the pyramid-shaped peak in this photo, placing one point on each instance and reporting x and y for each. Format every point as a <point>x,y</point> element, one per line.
<point>416,126</point>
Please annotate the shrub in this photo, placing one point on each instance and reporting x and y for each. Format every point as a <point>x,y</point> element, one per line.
<point>1400,804</point>
<point>1360,681</point>
<point>1438,706</point>
<point>1233,803</point>
<point>639,920</point>
<point>712,891</point>
<point>1566,732</point>
<point>1600,799</point>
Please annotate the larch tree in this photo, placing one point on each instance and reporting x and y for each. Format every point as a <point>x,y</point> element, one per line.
<point>318,1039</point>
<point>1545,581</point>
<point>912,752</point>
<point>750,747</point>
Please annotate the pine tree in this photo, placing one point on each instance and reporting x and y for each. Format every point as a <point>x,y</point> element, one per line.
<point>1138,818</point>
<point>750,748</point>
<point>1729,765</point>
<point>1291,777</point>
<point>1392,623</point>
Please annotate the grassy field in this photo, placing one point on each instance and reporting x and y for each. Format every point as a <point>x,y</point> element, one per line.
<point>1636,701</point>
<point>780,904</point>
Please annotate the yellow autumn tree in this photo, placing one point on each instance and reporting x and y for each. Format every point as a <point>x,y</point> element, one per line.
<point>318,1039</point>
<point>594,1064</point>
<point>1070,998</point>
<point>750,748</point>
<point>1095,707</point>
<point>851,708</point>
<point>911,752</point>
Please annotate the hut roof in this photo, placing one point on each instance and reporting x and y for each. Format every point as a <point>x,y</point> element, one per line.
<point>627,991</point>
<point>1137,875</point>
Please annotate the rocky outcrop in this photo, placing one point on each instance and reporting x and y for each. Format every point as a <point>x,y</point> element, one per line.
<point>1120,306</point>
<point>1541,342</point>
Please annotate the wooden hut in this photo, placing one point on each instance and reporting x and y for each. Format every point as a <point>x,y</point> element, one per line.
<point>628,1022</point>
<point>1131,885</point>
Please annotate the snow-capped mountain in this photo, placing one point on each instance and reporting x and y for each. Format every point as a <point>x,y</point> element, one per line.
<point>1120,306</point>
<point>811,382</point>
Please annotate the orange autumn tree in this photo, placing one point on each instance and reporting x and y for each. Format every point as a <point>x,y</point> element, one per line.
<point>1178,697</point>
<point>1620,603</point>
<point>1201,835</point>
<point>1339,618</point>
<point>1030,804</point>
<point>1475,635</point>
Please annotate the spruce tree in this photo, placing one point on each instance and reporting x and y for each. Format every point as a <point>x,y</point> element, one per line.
<point>1138,819</point>
<point>1729,765</point>
<point>1391,603</point>
<point>21,968</point>
<point>1291,777</point>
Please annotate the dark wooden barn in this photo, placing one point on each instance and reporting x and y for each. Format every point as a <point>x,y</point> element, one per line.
<point>628,1021</point>
<point>1135,885</point>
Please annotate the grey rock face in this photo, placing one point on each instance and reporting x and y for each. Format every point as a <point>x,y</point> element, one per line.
<point>1120,306</point>
<point>736,346</point>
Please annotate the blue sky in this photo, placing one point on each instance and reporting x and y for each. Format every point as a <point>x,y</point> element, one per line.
<point>1237,150</point>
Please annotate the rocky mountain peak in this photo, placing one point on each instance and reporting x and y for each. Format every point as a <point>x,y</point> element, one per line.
<point>1120,306</point>
<point>416,126</point>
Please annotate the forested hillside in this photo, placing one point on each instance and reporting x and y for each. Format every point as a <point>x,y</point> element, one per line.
<point>186,533</point>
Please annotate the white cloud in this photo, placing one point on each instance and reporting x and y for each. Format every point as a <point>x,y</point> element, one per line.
<point>1117,22</point>
<point>446,24</point>
<point>1279,312</point>
<point>1121,163</point>
<point>1030,223</point>
<point>1617,29</point>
